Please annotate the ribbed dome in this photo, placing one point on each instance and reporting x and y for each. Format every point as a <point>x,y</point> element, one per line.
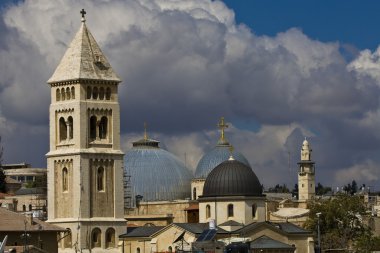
<point>155,173</point>
<point>216,156</point>
<point>232,178</point>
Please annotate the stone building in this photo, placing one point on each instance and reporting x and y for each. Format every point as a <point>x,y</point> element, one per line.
<point>85,163</point>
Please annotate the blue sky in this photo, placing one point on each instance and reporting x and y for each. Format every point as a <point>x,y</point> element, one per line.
<point>348,22</point>
<point>302,69</point>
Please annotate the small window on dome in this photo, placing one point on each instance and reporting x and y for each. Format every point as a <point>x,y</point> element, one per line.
<point>230,211</point>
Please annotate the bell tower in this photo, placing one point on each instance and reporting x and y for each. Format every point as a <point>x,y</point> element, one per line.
<point>85,162</point>
<point>306,173</point>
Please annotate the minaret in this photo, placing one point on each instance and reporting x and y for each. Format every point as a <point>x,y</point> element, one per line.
<point>306,173</point>
<point>85,162</point>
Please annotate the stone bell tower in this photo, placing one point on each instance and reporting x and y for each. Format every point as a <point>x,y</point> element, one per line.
<point>85,162</point>
<point>306,173</point>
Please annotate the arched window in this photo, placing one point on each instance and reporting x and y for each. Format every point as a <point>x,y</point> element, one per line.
<point>103,128</point>
<point>100,179</point>
<point>93,127</point>
<point>170,249</point>
<point>30,207</point>
<point>194,193</point>
<point>208,211</point>
<point>63,94</point>
<point>62,129</point>
<point>254,207</point>
<point>67,238</point>
<point>72,92</point>
<point>89,92</point>
<point>110,238</point>
<point>138,250</point>
<point>65,183</point>
<point>58,95</point>
<point>96,238</point>
<point>230,211</point>
<point>108,93</point>
<point>24,208</point>
<point>70,126</point>
<point>68,93</point>
<point>101,93</point>
<point>95,93</point>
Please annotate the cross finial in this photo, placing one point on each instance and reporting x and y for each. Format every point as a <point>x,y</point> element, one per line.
<point>145,134</point>
<point>222,125</point>
<point>83,12</point>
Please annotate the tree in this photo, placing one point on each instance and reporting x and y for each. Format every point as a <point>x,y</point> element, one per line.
<point>321,190</point>
<point>341,222</point>
<point>3,186</point>
<point>279,189</point>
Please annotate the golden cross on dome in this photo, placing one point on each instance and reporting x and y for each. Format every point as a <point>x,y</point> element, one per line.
<point>222,126</point>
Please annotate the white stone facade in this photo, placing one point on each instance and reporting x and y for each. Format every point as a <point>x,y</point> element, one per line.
<point>306,174</point>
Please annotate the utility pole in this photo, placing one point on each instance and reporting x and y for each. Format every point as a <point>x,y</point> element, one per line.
<point>319,233</point>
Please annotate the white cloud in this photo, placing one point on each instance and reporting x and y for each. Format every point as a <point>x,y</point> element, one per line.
<point>368,172</point>
<point>186,63</point>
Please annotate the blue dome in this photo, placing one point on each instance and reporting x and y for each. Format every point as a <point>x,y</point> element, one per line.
<point>216,156</point>
<point>155,173</point>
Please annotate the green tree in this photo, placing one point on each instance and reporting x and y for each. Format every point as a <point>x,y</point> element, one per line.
<point>341,223</point>
<point>321,190</point>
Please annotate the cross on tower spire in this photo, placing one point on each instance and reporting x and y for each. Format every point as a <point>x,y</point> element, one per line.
<point>83,12</point>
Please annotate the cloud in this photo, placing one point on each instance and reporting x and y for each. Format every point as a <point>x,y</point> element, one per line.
<point>367,171</point>
<point>183,65</point>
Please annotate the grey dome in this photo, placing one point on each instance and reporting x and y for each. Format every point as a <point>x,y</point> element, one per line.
<point>216,156</point>
<point>156,174</point>
<point>232,178</point>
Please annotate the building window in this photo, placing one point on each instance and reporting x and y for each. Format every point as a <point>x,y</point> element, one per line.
<point>138,250</point>
<point>67,238</point>
<point>30,207</point>
<point>62,129</point>
<point>68,93</point>
<point>65,180</point>
<point>108,93</point>
<point>110,238</point>
<point>170,249</point>
<point>63,94</point>
<point>254,208</point>
<point>100,179</point>
<point>96,238</point>
<point>101,93</point>
<point>70,127</point>
<point>103,128</point>
<point>230,210</point>
<point>24,208</point>
<point>89,92</point>
<point>93,127</point>
<point>58,95</point>
<point>208,211</point>
<point>194,193</point>
<point>72,92</point>
<point>95,93</point>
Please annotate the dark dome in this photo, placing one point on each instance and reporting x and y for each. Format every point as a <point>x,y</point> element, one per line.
<point>232,178</point>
